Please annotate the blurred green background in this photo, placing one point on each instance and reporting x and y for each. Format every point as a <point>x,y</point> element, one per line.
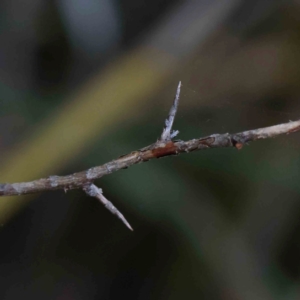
<point>83,82</point>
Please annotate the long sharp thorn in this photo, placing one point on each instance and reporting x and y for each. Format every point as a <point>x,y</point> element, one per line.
<point>167,133</point>
<point>93,191</point>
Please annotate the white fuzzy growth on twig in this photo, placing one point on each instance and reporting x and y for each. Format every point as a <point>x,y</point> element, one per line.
<point>53,181</point>
<point>93,191</point>
<point>167,133</point>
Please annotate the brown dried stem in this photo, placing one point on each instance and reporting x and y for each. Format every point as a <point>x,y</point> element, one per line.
<point>156,150</point>
<point>163,147</point>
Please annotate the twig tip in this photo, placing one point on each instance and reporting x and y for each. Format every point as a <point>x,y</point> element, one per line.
<point>93,191</point>
<point>167,133</point>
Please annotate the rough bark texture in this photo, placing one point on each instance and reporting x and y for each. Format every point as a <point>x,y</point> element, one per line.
<point>156,150</point>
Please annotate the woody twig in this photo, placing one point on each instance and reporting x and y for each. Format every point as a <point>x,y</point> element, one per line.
<point>163,147</point>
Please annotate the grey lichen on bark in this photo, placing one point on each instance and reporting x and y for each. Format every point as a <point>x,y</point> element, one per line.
<point>161,148</point>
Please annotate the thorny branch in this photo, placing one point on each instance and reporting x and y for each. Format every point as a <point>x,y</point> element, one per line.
<point>163,147</point>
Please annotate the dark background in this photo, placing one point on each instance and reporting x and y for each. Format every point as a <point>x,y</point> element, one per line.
<point>83,82</point>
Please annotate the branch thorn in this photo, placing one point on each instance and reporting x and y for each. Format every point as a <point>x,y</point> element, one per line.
<point>93,191</point>
<point>167,133</point>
